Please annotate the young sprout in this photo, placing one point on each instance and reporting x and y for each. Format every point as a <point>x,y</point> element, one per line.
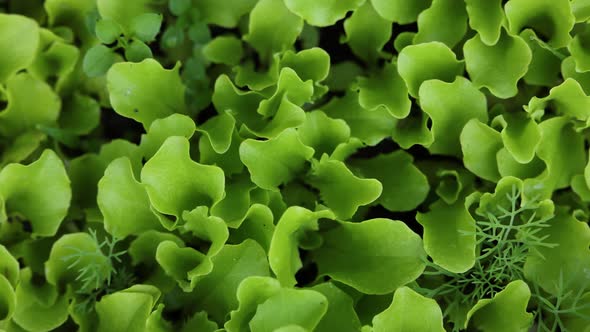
<point>96,269</point>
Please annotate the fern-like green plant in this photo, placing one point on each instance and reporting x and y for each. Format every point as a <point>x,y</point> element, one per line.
<point>552,308</point>
<point>100,276</point>
<point>504,238</point>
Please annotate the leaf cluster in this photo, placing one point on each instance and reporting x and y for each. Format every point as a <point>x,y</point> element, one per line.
<point>97,277</point>
<point>294,165</point>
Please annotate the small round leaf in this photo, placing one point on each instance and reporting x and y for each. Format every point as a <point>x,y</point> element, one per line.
<point>98,60</point>
<point>138,51</point>
<point>107,31</point>
<point>179,7</point>
<point>146,26</point>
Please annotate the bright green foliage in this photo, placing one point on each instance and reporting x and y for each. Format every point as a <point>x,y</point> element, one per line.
<point>444,21</point>
<point>506,311</point>
<point>205,227</point>
<point>224,49</point>
<point>568,70</point>
<point>58,60</point>
<point>451,184</point>
<point>86,170</point>
<point>179,7</point>
<point>497,67</point>
<point>135,97</point>
<point>553,20</point>
<point>43,302</point>
<point>550,267</point>
<point>8,281</point>
<point>24,113</point>
<point>228,161</point>
<point>183,264</point>
<point>126,310</point>
<point>508,166</point>
<point>9,267</point>
<point>422,62</point>
<point>449,235</point>
<point>290,92</point>
<point>275,161</point>
<point>309,64</point>
<point>568,99</point>
<point>322,133</point>
<point>404,39</point>
<point>322,13</point>
<point>124,202</point>
<point>146,26</point>
<point>98,60</point>
<point>562,151</point>
<point>143,248</point>
<point>340,315</point>
<point>251,292</point>
<point>194,184</point>
<point>266,17</point>
<point>342,75</point>
<point>261,308</point>
<point>521,136</point>
<point>412,130</point>
<point>340,190</point>
<point>479,145</point>
<point>228,97</point>
<point>161,129</point>
<point>71,14</point>
<point>544,67</point>
<point>131,31</point>
<point>375,256</point>
<point>400,11</point>
<point>294,225</point>
<point>451,106</point>
<point>142,252</point>
<point>409,311</point>
<point>365,21</point>
<point>257,224</point>
<point>225,13</point>
<point>107,31</point>
<point>280,111</point>
<point>566,310</point>
<point>580,10</point>
<point>385,90</point>
<point>22,147</point>
<point>216,291</point>
<point>199,322</point>
<point>579,52</point>
<point>369,126</point>
<point>247,75</point>
<point>7,300</point>
<point>294,165</point>
<point>80,115</point>
<point>137,51</point>
<point>56,268</point>
<point>291,328</point>
<point>20,35</point>
<point>486,17</point>
<point>306,309</point>
<point>91,262</point>
<point>506,237</point>
<point>39,192</point>
<point>237,201</point>
<point>219,131</point>
<point>404,185</point>
<point>586,175</point>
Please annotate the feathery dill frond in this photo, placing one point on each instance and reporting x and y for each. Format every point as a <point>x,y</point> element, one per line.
<point>504,239</point>
<point>96,269</point>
